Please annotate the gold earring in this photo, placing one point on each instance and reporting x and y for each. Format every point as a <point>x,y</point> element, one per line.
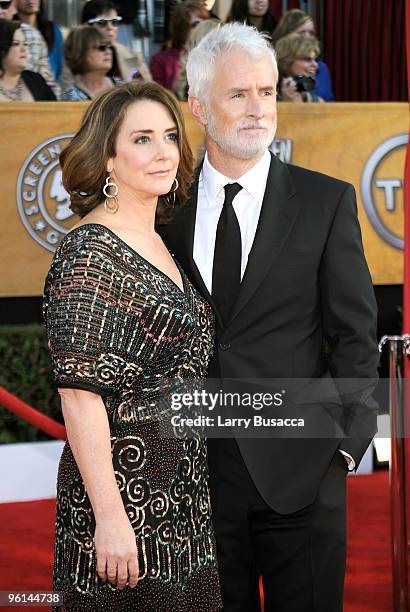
<point>171,195</point>
<point>110,207</point>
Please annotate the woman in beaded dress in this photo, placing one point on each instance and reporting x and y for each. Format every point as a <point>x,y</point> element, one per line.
<point>133,525</point>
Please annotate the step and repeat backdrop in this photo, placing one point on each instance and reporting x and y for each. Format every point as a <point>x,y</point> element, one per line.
<point>364,144</point>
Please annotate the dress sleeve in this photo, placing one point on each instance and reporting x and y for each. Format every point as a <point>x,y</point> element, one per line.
<point>85,319</point>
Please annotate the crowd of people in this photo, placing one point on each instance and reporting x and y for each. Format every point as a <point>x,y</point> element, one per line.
<point>39,61</point>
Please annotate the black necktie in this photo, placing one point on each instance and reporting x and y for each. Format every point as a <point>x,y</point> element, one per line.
<point>226,272</point>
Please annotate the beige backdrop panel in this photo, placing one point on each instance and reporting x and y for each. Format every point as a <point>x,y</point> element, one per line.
<point>337,139</point>
<point>31,136</point>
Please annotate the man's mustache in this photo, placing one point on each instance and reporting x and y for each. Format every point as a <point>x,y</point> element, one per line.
<point>246,125</point>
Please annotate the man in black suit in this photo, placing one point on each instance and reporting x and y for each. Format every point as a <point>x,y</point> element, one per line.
<point>277,251</point>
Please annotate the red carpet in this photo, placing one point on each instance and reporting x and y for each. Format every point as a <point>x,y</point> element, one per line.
<point>368,580</point>
<point>26,544</point>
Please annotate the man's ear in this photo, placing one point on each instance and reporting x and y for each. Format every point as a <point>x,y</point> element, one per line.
<point>197,109</point>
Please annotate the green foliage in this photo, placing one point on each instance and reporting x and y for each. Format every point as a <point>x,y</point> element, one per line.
<point>26,373</point>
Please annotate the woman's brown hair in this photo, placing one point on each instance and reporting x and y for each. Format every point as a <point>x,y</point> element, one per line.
<point>79,41</point>
<point>180,22</point>
<point>290,48</point>
<point>7,30</point>
<point>84,160</point>
<point>289,22</point>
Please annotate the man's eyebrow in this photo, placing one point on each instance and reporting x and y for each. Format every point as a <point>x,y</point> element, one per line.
<point>171,129</point>
<point>235,90</point>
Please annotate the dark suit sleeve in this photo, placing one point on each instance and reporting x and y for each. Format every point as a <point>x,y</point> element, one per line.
<point>349,319</point>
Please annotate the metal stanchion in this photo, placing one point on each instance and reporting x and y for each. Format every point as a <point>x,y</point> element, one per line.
<point>399,350</point>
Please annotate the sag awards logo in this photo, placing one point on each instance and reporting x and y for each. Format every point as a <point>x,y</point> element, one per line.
<point>43,203</point>
<point>382,190</point>
<point>282,148</point>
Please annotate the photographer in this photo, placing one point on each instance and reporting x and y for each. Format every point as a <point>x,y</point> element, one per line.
<point>297,63</point>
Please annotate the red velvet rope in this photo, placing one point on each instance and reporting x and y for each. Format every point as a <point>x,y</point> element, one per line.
<point>36,418</point>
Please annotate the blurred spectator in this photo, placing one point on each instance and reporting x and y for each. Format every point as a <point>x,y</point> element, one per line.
<point>297,62</point>
<point>33,13</point>
<point>127,9</point>
<point>299,22</point>
<point>162,16</point>
<point>7,9</point>
<point>103,15</point>
<point>196,35</point>
<point>16,83</point>
<point>88,53</point>
<point>256,13</point>
<point>37,60</point>
<point>165,64</point>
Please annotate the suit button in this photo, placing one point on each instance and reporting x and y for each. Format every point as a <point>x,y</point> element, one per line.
<point>224,346</point>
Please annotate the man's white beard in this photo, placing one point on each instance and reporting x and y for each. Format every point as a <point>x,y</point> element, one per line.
<point>237,142</point>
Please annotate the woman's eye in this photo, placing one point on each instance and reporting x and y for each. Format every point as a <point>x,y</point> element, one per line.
<point>173,137</point>
<point>142,139</point>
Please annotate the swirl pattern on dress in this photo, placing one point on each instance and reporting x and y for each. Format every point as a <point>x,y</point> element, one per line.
<point>120,328</point>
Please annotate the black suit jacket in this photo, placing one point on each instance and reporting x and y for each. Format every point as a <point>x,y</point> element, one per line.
<point>305,309</point>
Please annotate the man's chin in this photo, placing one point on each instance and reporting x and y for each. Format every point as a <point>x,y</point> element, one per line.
<point>249,149</point>
<point>241,147</point>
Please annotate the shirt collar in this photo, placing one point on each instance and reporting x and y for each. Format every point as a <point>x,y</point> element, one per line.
<point>253,181</point>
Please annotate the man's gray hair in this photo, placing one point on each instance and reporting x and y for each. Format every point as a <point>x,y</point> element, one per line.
<point>201,60</point>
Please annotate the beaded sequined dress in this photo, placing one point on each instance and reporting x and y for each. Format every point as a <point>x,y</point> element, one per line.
<point>118,326</point>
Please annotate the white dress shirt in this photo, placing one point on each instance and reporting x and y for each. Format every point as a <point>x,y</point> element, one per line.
<point>247,206</point>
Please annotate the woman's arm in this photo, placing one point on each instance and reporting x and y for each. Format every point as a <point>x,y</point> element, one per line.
<point>88,433</point>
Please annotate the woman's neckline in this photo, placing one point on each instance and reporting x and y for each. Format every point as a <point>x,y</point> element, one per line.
<point>82,84</point>
<point>130,248</point>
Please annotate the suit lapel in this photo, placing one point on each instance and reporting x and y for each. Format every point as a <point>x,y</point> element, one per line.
<point>278,214</point>
<point>276,219</point>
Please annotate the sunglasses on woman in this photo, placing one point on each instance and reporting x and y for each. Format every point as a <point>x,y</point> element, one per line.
<point>307,59</point>
<point>104,22</point>
<point>103,47</point>
<point>5,4</point>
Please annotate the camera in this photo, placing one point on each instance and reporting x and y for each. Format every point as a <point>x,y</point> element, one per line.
<point>304,83</point>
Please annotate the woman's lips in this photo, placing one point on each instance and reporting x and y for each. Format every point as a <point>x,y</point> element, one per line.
<point>160,173</point>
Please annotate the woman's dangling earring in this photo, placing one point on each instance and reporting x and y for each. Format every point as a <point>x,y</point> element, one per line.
<point>110,206</point>
<point>171,195</point>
